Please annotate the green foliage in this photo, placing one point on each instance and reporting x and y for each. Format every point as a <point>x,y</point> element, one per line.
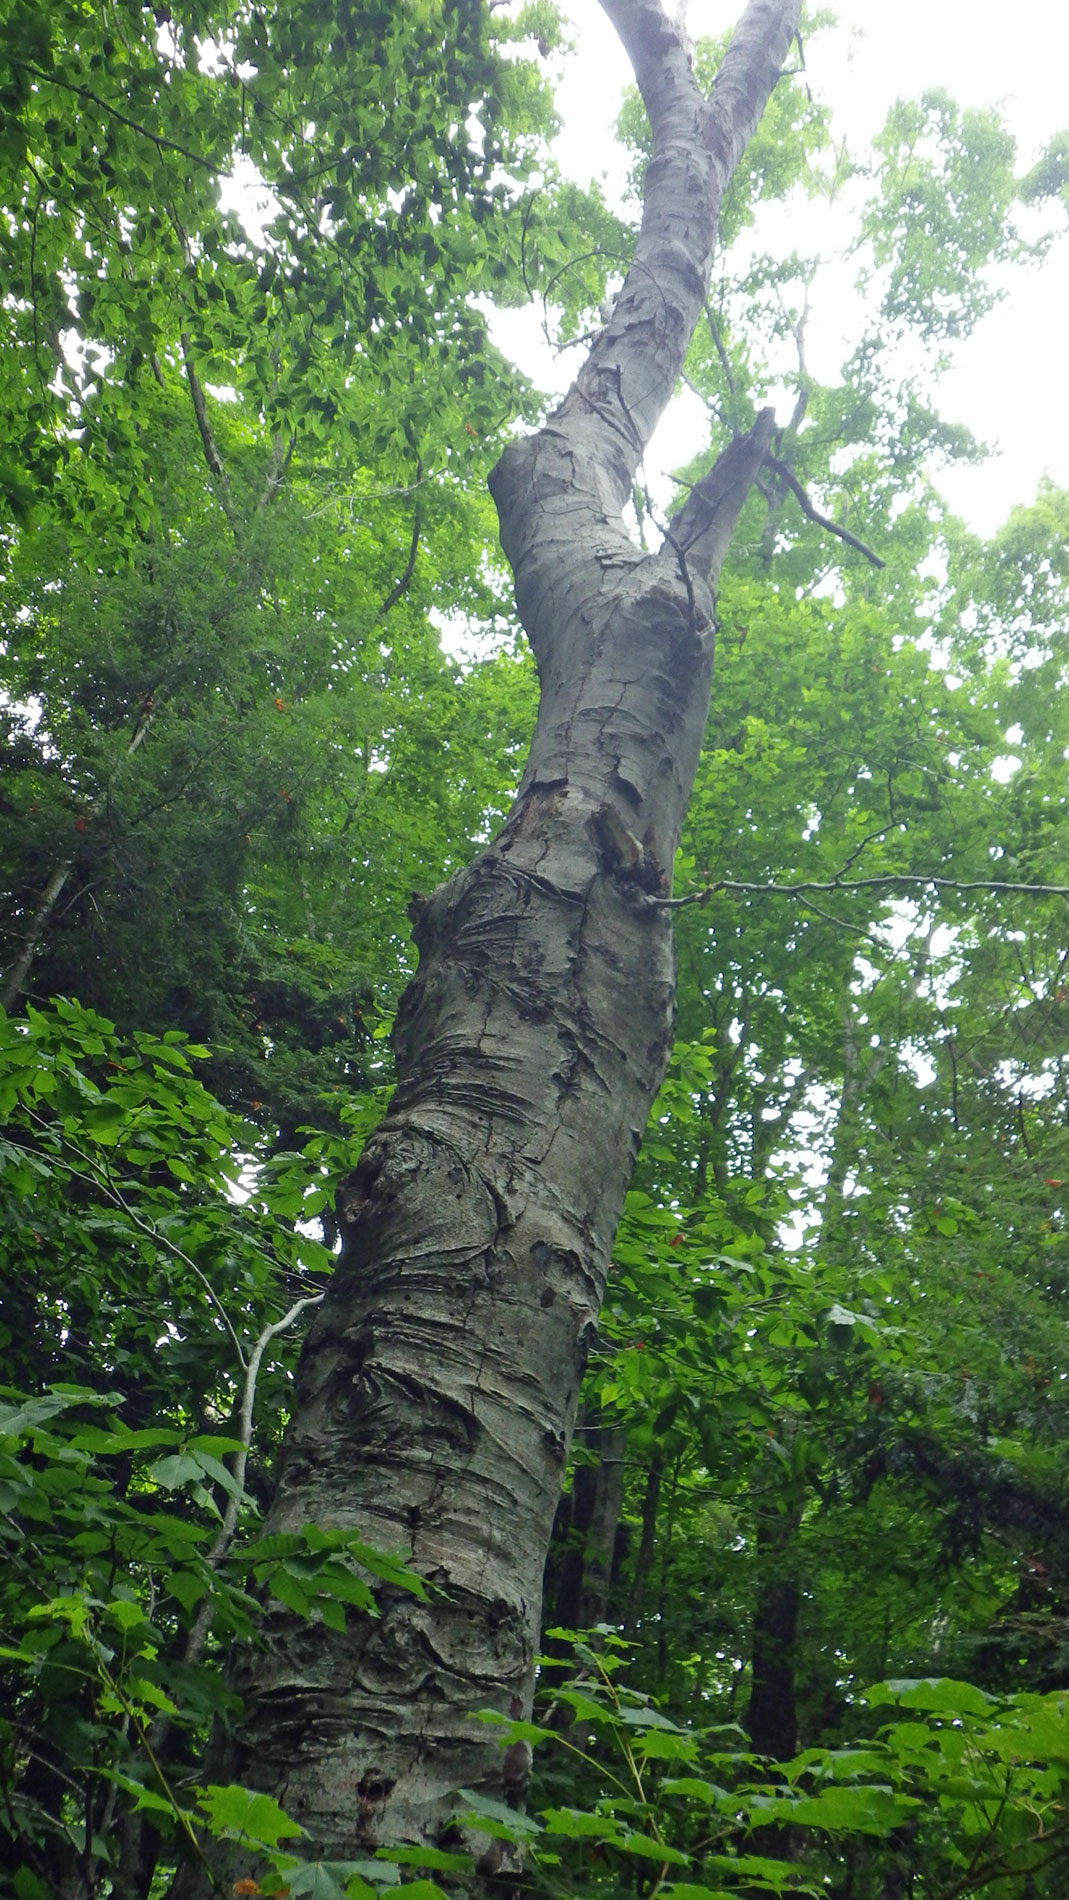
<point>152,1275</point>
<point>250,453</point>
<point>832,1355</point>
<point>1049,178</point>
<point>976,1784</point>
<point>121,134</point>
<point>946,186</point>
<point>235,777</point>
<point>245,496</point>
<point>119,1163</point>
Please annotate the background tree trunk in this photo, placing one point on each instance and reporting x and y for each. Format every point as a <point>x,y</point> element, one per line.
<point>438,1385</point>
<point>579,1583</point>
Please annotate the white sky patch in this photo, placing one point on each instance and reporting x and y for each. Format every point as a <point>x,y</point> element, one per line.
<point>245,193</point>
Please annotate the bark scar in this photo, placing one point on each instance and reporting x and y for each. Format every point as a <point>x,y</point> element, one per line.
<point>623,856</point>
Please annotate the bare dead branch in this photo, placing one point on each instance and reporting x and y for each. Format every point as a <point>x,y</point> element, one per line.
<point>224,1537</point>
<point>886,881</point>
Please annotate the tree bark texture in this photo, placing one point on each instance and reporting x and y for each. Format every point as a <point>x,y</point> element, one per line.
<point>438,1385</point>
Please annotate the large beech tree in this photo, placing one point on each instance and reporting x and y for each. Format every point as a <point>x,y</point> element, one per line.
<point>438,1384</point>
<point>821,1439</point>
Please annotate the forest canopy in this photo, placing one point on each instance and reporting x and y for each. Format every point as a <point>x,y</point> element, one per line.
<point>805,1622</point>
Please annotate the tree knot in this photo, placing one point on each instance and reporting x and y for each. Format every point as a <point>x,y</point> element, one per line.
<point>625,857</point>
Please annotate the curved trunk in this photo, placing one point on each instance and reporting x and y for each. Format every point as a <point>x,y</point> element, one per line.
<point>438,1386</point>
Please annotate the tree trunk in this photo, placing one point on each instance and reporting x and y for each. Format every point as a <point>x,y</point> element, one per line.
<point>583,1578</point>
<point>20,969</point>
<point>772,1717</point>
<point>644,1557</point>
<point>438,1385</point>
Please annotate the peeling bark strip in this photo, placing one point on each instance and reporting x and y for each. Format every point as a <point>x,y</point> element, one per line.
<point>438,1386</point>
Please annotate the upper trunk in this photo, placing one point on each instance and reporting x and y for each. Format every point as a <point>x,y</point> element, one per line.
<point>438,1386</point>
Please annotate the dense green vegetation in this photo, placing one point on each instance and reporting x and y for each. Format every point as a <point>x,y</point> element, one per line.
<point>807,1602</point>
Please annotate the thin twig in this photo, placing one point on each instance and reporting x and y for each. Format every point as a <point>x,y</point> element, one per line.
<point>718,345</point>
<point>997,1867</point>
<point>870,838</point>
<point>891,880</point>
<point>224,1537</point>
<point>156,138</point>
<point>280,461</point>
<point>842,923</point>
<point>101,1179</point>
<point>204,427</point>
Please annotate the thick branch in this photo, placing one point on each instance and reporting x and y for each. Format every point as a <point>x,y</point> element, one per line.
<point>788,476</point>
<point>204,427</point>
<point>701,532</point>
<point>560,493</point>
<point>400,585</point>
<point>280,461</point>
<point>697,143</point>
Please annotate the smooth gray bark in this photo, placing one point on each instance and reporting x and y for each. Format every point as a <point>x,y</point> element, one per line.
<point>20,969</point>
<point>438,1386</point>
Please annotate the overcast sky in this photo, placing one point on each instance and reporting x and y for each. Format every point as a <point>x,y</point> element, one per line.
<point>1010,382</point>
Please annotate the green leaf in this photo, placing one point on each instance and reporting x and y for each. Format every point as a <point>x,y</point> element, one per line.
<point>489,1813</point>
<point>290,1592</point>
<point>942,1695</point>
<point>514,1731</point>
<point>579,1825</point>
<point>707,1792</point>
<point>179,1469</point>
<point>214,1469</point>
<point>125,1613</point>
<point>688,1890</point>
<point>864,1810</point>
<point>27,1885</point>
<point>139,1690</point>
<point>276,1544</point>
<point>424,1857</point>
<point>321,1879</point>
<point>240,1813</point>
<point>647,1848</point>
<point>775,1876</point>
<point>655,1745</point>
<point>645,1718</point>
